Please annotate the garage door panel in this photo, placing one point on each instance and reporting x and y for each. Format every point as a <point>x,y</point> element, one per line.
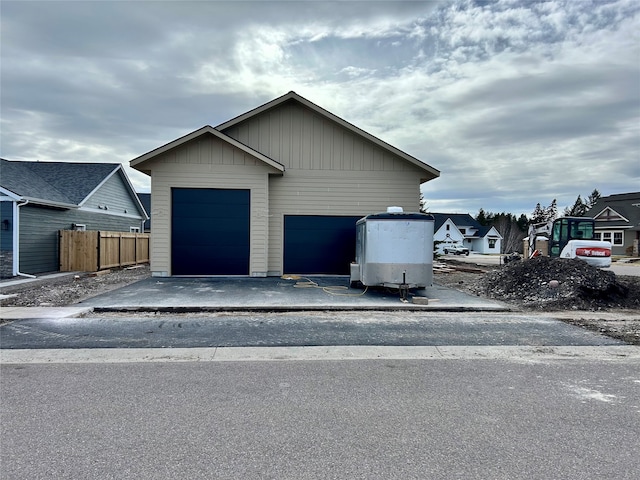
<point>210,232</point>
<point>319,244</point>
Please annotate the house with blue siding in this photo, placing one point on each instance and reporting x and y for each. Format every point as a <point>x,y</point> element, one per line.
<point>38,199</point>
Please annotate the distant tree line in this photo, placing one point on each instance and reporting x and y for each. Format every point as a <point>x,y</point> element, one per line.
<point>513,229</point>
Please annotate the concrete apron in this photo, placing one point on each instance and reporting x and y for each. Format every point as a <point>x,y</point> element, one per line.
<point>278,294</point>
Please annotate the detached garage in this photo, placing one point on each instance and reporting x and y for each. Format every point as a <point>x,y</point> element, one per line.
<point>274,191</point>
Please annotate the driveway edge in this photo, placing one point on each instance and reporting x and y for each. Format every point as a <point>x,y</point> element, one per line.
<point>253,354</point>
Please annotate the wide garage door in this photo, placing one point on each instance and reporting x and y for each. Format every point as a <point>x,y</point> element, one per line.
<point>318,244</point>
<point>210,231</point>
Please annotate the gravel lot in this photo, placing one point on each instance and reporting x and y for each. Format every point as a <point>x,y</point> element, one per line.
<point>583,295</point>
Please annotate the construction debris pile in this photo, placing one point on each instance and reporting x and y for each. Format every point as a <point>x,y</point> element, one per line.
<point>545,283</point>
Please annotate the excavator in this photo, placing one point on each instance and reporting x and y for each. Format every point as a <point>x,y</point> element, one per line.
<point>571,237</point>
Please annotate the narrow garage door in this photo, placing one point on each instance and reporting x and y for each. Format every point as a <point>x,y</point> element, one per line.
<point>315,244</point>
<point>210,231</point>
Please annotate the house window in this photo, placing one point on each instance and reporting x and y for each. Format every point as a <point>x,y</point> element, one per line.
<point>463,231</point>
<point>616,238</point>
<point>79,227</point>
<point>492,243</point>
<point>134,229</point>
<point>448,227</point>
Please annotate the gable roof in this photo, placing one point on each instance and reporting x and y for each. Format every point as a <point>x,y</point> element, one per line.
<point>624,206</point>
<point>293,96</point>
<point>459,220</point>
<point>485,230</point>
<point>206,130</point>
<point>61,184</point>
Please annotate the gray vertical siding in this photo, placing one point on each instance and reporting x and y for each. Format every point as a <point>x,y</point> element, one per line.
<point>115,195</point>
<point>39,233</point>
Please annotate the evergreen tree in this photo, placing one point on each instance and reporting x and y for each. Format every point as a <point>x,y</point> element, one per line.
<point>545,214</point>
<point>523,222</point>
<point>593,198</point>
<point>552,211</point>
<point>482,218</point>
<point>423,203</point>
<point>578,210</point>
<point>539,214</point>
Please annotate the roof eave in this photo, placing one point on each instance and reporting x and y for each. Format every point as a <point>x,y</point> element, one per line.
<point>139,161</point>
<point>49,203</point>
<point>433,173</point>
<point>132,192</point>
<point>10,194</point>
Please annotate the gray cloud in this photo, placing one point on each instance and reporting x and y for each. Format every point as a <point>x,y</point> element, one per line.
<point>503,97</point>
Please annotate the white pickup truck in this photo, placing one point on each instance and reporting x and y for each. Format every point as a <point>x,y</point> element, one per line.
<point>455,249</point>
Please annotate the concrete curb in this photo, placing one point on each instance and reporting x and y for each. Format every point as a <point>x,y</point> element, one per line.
<point>23,313</point>
<point>302,308</point>
<point>625,353</point>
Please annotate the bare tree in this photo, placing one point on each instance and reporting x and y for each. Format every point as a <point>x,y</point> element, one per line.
<point>512,230</point>
<point>511,234</point>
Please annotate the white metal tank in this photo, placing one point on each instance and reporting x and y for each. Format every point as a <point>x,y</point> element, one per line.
<point>394,249</point>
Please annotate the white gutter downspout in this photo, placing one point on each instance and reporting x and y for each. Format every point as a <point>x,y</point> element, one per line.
<point>16,240</point>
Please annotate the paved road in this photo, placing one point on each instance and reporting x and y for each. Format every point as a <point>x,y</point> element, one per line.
<point>412,419</point>
<point>295,329</point>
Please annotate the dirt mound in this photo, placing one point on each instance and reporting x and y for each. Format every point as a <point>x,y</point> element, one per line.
<point>545,283</point>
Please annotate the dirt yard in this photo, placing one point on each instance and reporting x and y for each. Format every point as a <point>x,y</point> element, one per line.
<point>70,289</point>
<point>571,290</point>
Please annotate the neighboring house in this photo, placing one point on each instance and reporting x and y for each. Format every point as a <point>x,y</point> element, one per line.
<point>145,199</point>
<point>40,198</point>
<point>274,191</point>
<point>618,221</point>
<point>463,229</point>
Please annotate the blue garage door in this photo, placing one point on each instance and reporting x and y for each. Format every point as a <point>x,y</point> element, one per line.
<point>315,244</point>
<point>210,231</point>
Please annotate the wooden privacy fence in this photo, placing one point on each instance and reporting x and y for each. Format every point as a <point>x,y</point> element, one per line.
<point>90,251</point>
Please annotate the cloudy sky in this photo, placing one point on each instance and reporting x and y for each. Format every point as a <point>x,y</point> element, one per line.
<point>515,102</point>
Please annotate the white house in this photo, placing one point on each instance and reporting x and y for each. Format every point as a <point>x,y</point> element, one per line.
<point>463,229</point>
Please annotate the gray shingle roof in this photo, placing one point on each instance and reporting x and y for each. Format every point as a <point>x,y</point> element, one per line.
<point>57,182</point>
<point>623,203</point>
<point>459,219</point>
